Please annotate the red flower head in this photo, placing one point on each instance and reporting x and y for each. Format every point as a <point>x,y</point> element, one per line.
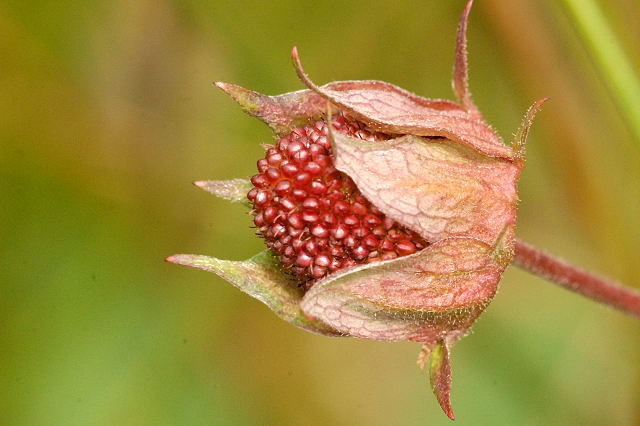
<point>386,215</point>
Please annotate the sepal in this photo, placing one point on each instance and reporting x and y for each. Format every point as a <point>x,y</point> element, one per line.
<point>234,190</point>
<point>282,113</point>
<point>440,375</point>
<point>436,187</point>
<point>389,109</point>
<point>520,138</point>
<point>460,81</point>
<point>424,297</point>
<point>262,278</point>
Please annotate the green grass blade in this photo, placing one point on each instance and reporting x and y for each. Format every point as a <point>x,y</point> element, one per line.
<point>610,58</point>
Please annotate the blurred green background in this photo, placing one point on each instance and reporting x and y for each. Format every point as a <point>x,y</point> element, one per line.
<point>107,113</point>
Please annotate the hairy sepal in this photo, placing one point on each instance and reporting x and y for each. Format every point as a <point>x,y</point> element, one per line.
<point>436,293</point>
<point>262,278</point>
<point>282,113</point>
<point>390,109</point>
<point>436,187</point>
<point>440,375</point>
<point>234,190</point>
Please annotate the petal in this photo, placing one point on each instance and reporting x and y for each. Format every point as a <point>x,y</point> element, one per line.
<point>435,187</point>
<point>281,113</point>
<point>437,292</point>
<point>389,109</point>
<point>234,190</point>
<point>261,278</point>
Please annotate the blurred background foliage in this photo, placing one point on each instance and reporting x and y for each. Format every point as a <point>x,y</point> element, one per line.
<point>107,113</point>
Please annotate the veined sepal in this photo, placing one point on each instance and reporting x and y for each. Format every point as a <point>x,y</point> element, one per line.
<point>423,297</point>
<point>262,278</point>
<point>234,190</point>
<point>435,187</point>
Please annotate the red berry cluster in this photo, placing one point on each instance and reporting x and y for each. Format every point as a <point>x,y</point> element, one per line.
<point>312,216</point>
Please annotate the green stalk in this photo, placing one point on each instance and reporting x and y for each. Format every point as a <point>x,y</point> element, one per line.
<point>611,60</point>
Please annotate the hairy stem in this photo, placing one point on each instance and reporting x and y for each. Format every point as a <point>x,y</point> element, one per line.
<point>575,279</point>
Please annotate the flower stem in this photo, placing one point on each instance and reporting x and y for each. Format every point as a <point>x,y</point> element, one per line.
<point>575,279</point>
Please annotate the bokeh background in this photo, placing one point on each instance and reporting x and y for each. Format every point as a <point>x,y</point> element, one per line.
<point>107,113</point>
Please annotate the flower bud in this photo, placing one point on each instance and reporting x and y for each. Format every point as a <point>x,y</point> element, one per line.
<point>386,215</point>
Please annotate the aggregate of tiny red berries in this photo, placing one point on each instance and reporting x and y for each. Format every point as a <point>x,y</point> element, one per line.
<point>312,216</point>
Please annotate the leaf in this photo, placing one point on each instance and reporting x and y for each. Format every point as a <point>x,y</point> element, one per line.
<point>261,278</point>
<point>389,109</point>
<point>437,292</point>
<point>440,376</point>
<point>234,190</point>
<point>435,187</point>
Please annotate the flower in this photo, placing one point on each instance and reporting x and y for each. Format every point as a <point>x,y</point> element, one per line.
<point>386,215</point>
